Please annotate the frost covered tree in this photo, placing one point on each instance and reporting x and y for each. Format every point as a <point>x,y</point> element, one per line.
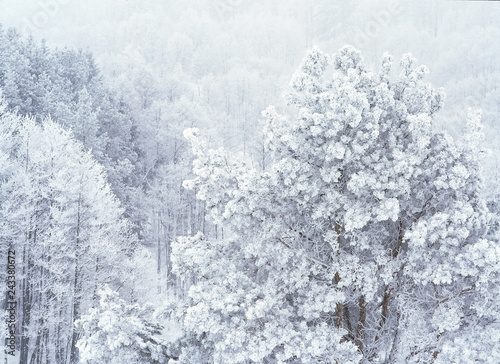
<point>66,85</point>
<point>365,241</point>
<point>60,216</point>
<point>117,332</point>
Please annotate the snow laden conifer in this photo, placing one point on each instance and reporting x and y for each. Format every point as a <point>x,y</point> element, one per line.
<point>115,332</point>
<point>58,214</point>
<point>365,241</point>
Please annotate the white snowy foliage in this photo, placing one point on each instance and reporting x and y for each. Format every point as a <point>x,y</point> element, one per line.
<point>116,332</point>
<point>59,213</point>
<point>365,241</point>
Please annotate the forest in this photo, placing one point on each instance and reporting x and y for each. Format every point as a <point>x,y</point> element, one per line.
<point>219,181</point>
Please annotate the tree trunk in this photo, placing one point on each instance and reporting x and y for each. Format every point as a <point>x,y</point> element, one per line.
<point>27,300</point>
<point>347,316</point>
<point>74,357</point>
<point>339,309</point>
<point>35,357</point>
<point>59,350</point>
<point>158,251</point>
<point>394,349</point>
<point>360,329</point>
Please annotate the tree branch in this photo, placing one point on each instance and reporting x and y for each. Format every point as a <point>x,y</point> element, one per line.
<point>314,260</point>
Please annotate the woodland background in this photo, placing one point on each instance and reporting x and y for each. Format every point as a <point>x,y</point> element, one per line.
<point>128,77</point>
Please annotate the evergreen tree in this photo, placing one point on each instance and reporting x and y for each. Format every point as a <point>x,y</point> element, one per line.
<point>365,241</point>
<point>116,332</point>
<point>66,86</point>
<point>60,216</point>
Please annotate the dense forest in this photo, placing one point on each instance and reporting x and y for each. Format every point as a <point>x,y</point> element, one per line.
<point>229,182</point>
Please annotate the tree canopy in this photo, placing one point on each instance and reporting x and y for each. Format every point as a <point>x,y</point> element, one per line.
<point>366,240</point>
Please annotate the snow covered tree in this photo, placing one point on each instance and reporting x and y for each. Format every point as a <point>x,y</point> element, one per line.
<point>117,332</point>
<point>66,85</point>
<point>58,213</point>
<point>365,241</point>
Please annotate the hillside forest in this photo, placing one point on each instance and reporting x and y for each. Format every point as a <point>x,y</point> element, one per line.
<point>228,182</point>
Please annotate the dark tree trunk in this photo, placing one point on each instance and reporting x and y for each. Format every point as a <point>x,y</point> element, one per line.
<point>27,301</point>
<point>74,357</point>
<point>360,329</point>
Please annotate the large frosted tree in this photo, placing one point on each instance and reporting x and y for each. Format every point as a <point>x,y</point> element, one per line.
<point>366,240</point>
